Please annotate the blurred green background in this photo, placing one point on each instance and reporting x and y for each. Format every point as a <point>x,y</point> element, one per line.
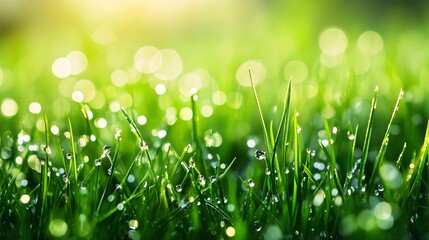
<point>150,56</point>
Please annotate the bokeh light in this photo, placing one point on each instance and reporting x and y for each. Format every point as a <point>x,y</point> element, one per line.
<point>9,107</point>
<point>370,43</point>
<point>25,198</point>
<point>87,89</point>
<point>186,114</point>
<point>333,42</point>
<point>219,98</point>
<point>1,77</point>
<point>147,59</point>
<point>35,107</point>
<point>58,228</point>
<point>296,70</point>
<point>78,62</point>
<point>103,35</point>
<point>61,67</point>
<point>119,78</point>
<point>171,66</point>
<point>257,69</point>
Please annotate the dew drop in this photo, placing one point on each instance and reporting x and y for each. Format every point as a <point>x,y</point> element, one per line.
<point>212,179</point>
<point>68,156</point>
<point>267,171</point>
<point>222,224</point>
<point>179,188</point>
<point>118,134</point>
<point>201,180</point>
<point>97,162</point>
<point>106,151</point>
<point>260,155</point>
<point>133,224</point>
<point>257,225</point>
<point>47,150</point>
<point>120,206</point>
<point>191,163</point>
<point>110,198</point>
<point>143,146</point>
<point>250,182</point>
<point>66,179</point>
<point>275,199</point>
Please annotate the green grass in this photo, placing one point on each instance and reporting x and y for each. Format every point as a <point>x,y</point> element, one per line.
<point>76,186</point>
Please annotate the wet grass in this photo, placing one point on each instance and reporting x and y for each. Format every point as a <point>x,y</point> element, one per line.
<point>70,185</point>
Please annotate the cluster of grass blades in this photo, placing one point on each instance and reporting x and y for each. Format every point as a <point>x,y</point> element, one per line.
<point>81,188</point>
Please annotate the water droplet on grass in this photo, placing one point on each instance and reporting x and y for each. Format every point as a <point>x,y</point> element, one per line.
<point>179,188</point>
<point>275,199</point>
<point>143,146</point>
<point>212,179</point>
<point>222,166</point>
<point>66,179</point>
<point>106,151</point>
<point>97,162</point>
<point>133,224</point>
<point>251,183</point>
<point>260,155</point>
<point>191,163</point>
<point>110,198</point>
<point>257,225</point>
<point>267,171</point>
<point>69,156</point>
<point>47,150</point>
<point>120,206</point>
<point>201,180</point>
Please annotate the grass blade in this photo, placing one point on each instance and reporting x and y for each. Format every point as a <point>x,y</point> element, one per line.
<point>367,140</point>
<point>385,143</point>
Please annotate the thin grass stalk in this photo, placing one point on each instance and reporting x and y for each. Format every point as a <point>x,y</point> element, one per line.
<point>261,116</point>
<point>385,143</point>
<point>367,140</point>
<point>284,124</point>
<point>43,190</point>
